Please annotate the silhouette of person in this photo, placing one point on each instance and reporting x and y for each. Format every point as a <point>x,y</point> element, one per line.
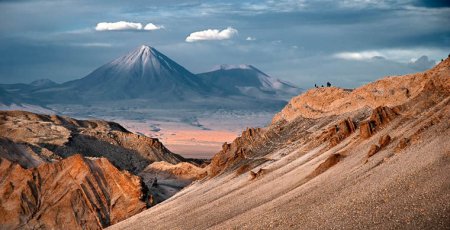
<point>315,85</point>
<point>328,84</point>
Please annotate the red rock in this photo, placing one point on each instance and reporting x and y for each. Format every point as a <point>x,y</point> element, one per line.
<point>384,141</point>
<point>325,165</point>
<point>373,150</point>
<point>402,144</point>
<point>342,131</point>
<point>75,193</point>
<point>234,152</point>
<point>380,116</point>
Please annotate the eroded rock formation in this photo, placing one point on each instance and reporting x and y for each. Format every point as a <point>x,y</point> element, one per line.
<point>234,152</point>
<point>74,193</point>
<point>44,138</point>
<point>46,181</point>
<point>337,133</point>
<point>380,116</point>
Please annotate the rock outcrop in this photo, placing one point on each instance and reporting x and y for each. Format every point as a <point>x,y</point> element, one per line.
<point>325,165</point>
<point>53,174</point>
<point>74,193</point>
<point>339,132</point>
<point>45,138</point>
<point>234,152</point>
<point>384,141</point>
<point>380,116</point>
<point>373,149</point>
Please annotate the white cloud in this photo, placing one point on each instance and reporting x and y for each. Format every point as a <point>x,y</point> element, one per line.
<point>151,26</point>
<point>364,55</point>
<point>250,39</point>
<point>121,25</point>
<point>212,34</point>
<point>399,55</point>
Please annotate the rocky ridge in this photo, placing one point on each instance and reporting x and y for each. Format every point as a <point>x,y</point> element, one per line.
<point>370,115</point>
<point>373,157</point>
<point>44,138</point>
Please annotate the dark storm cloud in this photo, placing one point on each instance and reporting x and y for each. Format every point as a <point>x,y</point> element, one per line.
<point>297,40</point>
<point>434,3</point>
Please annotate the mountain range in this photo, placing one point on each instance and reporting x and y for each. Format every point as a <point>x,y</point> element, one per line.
<point>147,74</point>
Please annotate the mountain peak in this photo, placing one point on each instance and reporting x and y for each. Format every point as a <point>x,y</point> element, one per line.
<point>145,49</point>
<point>140,55</point>
<point>142,73</point>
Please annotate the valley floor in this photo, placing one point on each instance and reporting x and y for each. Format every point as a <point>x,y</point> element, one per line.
<point>201,139</point>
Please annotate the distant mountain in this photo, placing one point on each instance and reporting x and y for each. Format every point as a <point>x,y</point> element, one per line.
<point>41,83</point>
<point>23,93</point>
<point>6,97</point>
<point>27,88</point>
<point>147,78</point>
<point>142,73</point>
<point>249,81</point>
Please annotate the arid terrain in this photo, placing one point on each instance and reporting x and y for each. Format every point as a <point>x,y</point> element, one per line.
<point>376,157</point>
<point>59,172</point>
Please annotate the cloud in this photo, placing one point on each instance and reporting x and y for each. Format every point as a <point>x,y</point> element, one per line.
<point>212,34</point>
<point>364,55</point>
<point>151,26</point>
<point>395,54</point>
<point>433,4</point>
<point>121,25</point>
<point>250,39</point>
<point>422,63</point>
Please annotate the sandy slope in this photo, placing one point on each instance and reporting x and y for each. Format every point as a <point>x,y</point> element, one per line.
<point>310,169</point>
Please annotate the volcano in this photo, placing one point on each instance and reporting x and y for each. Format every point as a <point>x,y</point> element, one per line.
<point>142,73</point>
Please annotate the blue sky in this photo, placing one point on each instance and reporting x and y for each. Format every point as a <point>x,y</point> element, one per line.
<point>349,42</point>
